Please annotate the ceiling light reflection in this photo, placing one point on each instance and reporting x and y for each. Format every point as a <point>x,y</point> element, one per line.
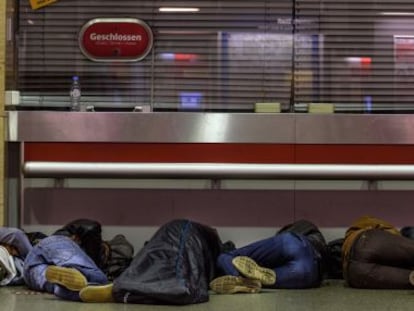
<point>397,13</point>
<point>177,9</point>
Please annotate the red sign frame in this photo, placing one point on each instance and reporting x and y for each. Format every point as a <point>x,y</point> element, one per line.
<point>115,39</point>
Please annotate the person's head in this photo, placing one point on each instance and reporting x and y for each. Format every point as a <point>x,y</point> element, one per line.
<point>87,233</point>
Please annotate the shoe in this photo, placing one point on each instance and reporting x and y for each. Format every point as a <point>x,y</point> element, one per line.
<point>97,293</point>
<point>229,284</point>
<point>69,278</point>
<point>250,269</point>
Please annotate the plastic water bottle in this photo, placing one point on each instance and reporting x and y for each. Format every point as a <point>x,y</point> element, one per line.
<point>75,95</point>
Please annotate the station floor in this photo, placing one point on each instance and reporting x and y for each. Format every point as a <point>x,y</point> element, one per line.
<point>333,295</point>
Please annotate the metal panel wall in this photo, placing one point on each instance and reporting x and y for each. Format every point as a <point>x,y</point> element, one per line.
<point>298,138</point>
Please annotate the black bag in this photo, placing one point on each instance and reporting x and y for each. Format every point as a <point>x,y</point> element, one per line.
<point>88,234</point>
<point>334,259</point>
<point>120,256</point>
<point>174,267</point>
<point>408,232</point>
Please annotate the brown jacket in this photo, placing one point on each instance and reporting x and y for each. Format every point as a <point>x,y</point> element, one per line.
<point>360,225</point>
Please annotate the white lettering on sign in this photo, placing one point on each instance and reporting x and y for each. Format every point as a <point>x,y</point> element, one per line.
<point>114,37</point>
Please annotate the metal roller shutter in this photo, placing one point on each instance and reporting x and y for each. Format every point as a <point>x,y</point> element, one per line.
<point>363,54</point>
<point>225,57</point>
<point>228,55</point>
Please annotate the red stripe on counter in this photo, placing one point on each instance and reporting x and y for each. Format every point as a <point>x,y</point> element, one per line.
<point>355,154</point>
<point>198,153</point>
<point>220,152</point>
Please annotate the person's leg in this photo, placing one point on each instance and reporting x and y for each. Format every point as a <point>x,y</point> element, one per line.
<point>251,281</point>
<point>266,252</point>
<point>19,265</point>
<point>247,261</point>
<point>372,275</point>
<point>68,264</point>
<point>379,259</point>
<point>63,252</point>
<point>291,256</point>
<point>66,294</point>
<point>42,277</point>
<point>381,247</point>
<point>35,277</point>
<point>299,265</point>
<point>16,238</point>
<point>225,264</point>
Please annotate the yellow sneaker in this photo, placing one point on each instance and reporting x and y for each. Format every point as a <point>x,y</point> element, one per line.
<point>229,284</point>
<point>250,269</point>
<point>97,293</point>
<point>70,278</point>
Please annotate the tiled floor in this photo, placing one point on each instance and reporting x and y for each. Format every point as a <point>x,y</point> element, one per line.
<point>332,296</point>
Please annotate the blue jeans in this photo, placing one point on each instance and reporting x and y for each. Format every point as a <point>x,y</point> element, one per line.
<point>291,256</point>
<point>63,252</point>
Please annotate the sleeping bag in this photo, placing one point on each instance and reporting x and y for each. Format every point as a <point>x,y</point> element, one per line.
<point>174,267</point>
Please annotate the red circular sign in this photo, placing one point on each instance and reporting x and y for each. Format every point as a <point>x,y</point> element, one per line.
<point>115,39</point>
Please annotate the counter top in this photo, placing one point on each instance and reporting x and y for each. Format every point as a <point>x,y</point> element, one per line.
<point>183,127</point>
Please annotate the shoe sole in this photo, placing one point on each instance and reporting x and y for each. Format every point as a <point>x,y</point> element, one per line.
<point>250,269</point>
<point>97,293</point>
<point>229,284</point>
<point>69,278</point>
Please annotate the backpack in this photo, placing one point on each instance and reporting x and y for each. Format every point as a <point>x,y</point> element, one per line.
<point>334,259</point>
<point>120,256</point>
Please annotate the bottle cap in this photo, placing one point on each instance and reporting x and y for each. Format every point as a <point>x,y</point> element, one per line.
<point>75,78</point>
